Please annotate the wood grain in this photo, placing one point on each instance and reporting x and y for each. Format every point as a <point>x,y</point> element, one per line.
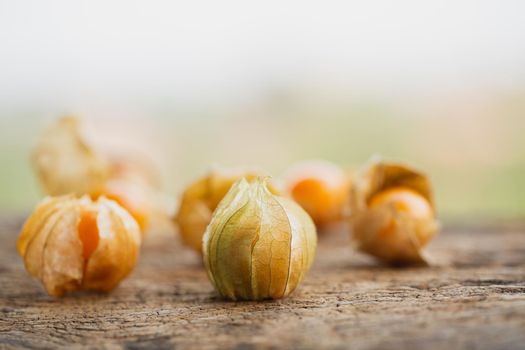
<point>472,297</point>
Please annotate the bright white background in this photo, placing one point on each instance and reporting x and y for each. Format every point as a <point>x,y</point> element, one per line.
<point>67,54</point>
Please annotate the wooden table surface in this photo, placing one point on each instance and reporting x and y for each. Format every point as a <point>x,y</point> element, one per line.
<point>472,297</point>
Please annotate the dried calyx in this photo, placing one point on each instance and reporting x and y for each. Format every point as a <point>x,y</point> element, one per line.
<point>74,244</point>
<point>393,214</point>
<point>200,199</point>
<point>258,245</point>
<point>67,164</point>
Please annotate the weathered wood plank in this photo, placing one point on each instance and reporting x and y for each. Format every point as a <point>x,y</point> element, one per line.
<point>473,297</point>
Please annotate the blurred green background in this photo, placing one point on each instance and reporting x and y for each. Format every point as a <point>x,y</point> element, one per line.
<point>475,158</point>
<point>440,85</point>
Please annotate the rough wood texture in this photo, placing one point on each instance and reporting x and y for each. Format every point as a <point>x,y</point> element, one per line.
<point>473,297</point>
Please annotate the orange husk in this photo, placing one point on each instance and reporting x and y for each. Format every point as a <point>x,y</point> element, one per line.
<point>72,244</point>
<point>386,232</point>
